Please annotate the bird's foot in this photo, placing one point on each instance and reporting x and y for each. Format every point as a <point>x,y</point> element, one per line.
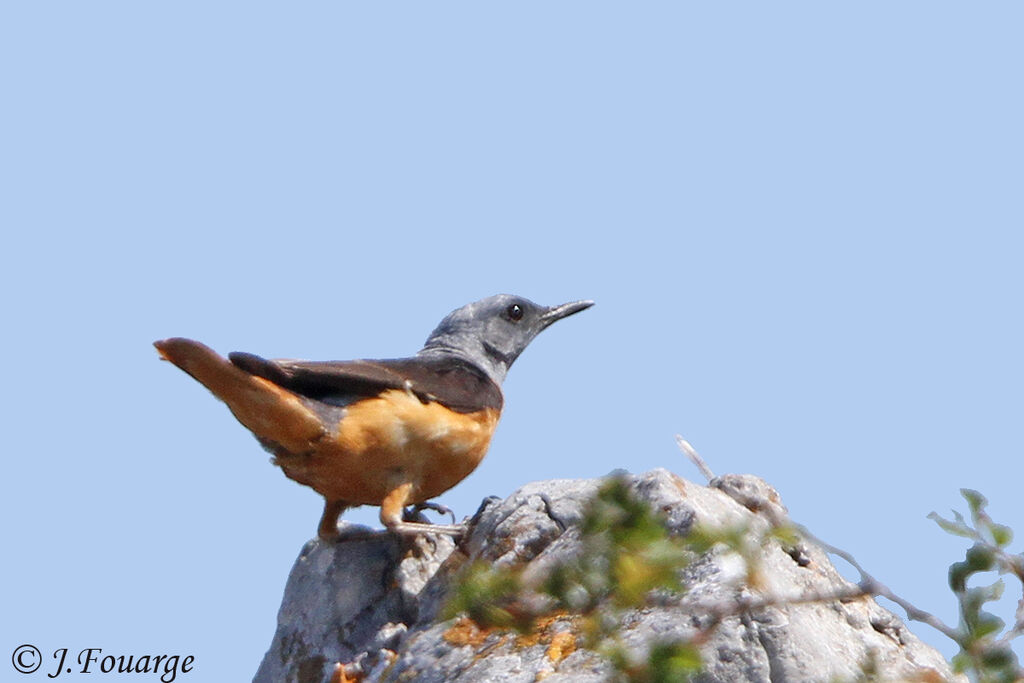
<point>412,514</point>
<point>419,529</point>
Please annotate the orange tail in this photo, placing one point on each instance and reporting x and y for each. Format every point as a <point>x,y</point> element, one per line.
<point>266,409</point>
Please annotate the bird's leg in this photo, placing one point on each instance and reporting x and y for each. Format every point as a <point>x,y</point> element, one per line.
<point>328,529</point>
<point>428,505</point>
<point>391,516</point>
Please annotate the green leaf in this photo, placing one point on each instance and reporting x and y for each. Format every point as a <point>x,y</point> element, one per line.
<point>486,594</point>
<point>999,658</point>
<point>993,592</point>
<point>980,558</point>
<point>972,533</point>
<point>951,527</point>
<point>1001,535</point>
<point>987,624</point>
<point>670,662</point>
<point>958,575</point>
<point>975,501</point>
<point>785,534</point>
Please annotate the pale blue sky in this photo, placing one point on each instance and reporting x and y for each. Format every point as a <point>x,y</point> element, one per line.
<point>801,222</point>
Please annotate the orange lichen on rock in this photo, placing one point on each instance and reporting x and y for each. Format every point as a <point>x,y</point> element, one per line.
<point>341,676</point>
<point>562,645</point>
<point>465,631</point>
<point>541,632</point>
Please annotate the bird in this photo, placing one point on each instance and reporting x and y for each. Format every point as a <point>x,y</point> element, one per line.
<point>393,432</point>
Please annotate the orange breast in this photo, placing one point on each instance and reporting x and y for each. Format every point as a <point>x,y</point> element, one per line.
<point>390,440</point>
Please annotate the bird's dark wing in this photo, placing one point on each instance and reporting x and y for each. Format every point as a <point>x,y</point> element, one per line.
<point>452,382</point>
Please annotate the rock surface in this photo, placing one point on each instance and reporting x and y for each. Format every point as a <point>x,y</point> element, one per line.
<point>368,609</point>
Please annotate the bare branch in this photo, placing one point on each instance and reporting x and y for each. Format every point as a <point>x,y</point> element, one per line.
<point>869,584</point>
<point>694,457</point>
<point>720,609</point>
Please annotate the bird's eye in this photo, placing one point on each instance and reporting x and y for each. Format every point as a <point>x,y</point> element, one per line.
<point>514,312</point>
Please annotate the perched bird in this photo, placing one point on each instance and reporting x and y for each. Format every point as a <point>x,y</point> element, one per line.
<point>392,432</point>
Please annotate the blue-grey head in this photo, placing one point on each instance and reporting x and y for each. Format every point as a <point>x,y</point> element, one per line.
<point>492,332</point>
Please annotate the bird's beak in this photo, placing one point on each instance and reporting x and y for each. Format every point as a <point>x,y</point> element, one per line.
<point>564,311</point>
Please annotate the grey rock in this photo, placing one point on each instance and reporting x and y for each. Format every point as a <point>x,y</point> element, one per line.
<point>370,607</point>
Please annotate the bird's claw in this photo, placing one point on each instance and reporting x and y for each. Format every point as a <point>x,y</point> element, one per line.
<point>415,516</point>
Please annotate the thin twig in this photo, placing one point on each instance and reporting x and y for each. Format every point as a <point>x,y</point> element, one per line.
<point>872,585</point>
<point>868,584</point>
<point>738,605</point>
<point>694,457</point>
